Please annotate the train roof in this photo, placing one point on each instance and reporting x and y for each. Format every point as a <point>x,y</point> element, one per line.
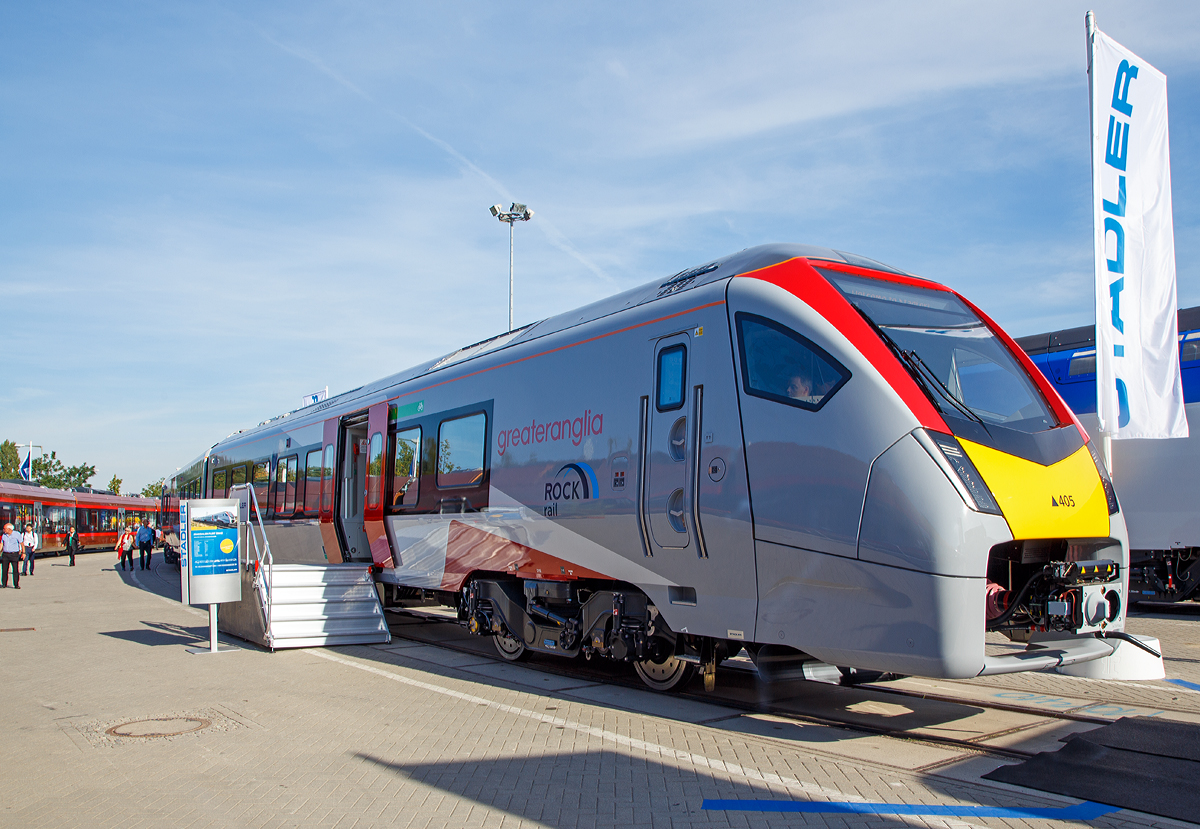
<point>1085,335</point>
<point>750,259</point>
<point>81,495</point>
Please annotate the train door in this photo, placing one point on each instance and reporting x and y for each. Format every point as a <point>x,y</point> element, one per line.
<point>668,447</point>
<point>120,520</point>
<point>353,480</point>
<point>39,523</point>
<point>329,534</point>
<point>377,428</point>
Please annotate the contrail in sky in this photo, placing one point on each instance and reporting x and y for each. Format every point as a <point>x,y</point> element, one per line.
<point>552,233</point>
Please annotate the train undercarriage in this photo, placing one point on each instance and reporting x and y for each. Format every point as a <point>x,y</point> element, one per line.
<point>610,621</point>
<point>1164,575</point>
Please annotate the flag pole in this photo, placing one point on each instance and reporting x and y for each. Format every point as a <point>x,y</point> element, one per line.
<point>1089,23</point>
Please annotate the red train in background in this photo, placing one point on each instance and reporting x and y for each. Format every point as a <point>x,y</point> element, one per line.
<point>98,515</point>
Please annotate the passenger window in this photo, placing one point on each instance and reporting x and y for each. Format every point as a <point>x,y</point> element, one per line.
<point>262,483</point>
<point>779,364</point>
<point>1190,350</point>
<point>289,504</point>
<point>280,485</point>
<point>406,468</point>
<point>375,471</point>
<point>285,486</point>
<point>460,451</point>
<point>219,484</point>
<point>312,481</point>
<point>238,476</point>
<point>327,480</point>
<point>672,375</point>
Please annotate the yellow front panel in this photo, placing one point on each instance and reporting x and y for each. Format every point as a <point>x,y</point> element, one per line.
<point>1063,500</point>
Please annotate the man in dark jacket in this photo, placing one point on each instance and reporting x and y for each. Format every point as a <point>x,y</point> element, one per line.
<point>145,542</point>
<point>72,544</point>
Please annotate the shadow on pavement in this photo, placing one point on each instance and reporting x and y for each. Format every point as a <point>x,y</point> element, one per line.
<point>571,784</point>
<point>159,633</point>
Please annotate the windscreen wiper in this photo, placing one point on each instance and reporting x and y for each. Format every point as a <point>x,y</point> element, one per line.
<point>914,359</point>
<point>920,372</point>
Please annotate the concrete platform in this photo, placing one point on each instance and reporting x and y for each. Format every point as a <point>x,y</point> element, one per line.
<point>110,722</point>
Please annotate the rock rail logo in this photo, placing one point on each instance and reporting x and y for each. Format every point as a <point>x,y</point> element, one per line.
<point>572,482</point>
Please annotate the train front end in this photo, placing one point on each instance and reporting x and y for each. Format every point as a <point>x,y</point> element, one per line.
<point>986,510</point>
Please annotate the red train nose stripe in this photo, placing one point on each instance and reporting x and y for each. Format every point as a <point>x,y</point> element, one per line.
<point>797,277</point>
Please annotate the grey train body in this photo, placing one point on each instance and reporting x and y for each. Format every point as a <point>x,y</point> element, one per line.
<point>545,460</point>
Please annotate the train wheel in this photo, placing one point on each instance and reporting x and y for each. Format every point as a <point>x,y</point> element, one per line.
<point>510,647</point>
<point>666,675</point>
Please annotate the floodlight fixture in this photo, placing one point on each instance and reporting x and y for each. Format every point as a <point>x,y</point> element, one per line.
<point>516,213</point>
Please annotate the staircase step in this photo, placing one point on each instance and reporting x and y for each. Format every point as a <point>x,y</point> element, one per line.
<point>328,641</point>
<point>326,627</point>
<point>323,593</point>
<point>357,575</point>
<point>297,612</point>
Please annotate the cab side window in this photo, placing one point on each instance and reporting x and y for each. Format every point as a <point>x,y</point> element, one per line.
<point>672,375</point>
<point>781,365</point>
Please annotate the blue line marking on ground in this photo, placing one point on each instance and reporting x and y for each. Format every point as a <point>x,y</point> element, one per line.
<point>1191,686</point>
<point>1080,811</point>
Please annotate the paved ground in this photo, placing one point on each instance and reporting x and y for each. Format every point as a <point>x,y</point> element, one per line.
<point>406,735</point>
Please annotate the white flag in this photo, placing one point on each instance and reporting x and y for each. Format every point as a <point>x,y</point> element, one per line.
<point>1138,388</point>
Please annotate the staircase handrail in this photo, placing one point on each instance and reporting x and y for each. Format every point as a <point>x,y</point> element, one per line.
<point>263,561</point>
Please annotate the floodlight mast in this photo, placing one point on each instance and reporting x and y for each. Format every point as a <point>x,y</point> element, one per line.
<point>517,213</point>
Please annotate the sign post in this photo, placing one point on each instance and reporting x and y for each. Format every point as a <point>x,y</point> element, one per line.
<point>210,559</point>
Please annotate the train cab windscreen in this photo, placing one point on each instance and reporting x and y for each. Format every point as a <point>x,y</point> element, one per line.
<point>969,373</point>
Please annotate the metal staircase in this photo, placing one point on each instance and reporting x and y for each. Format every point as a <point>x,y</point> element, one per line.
<point>321,604</point>
<point>311,605</point>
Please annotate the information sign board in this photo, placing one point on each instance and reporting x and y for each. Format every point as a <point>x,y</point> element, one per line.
<point>209,551</point>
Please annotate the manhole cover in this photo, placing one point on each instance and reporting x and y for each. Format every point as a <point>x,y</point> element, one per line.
<point>161,727</point>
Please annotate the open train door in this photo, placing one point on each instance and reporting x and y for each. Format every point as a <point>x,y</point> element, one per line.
<point>350,514</point>
<point>329,533</point>
<point>377,428</point>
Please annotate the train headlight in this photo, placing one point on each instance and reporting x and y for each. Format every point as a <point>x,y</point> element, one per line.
<point>949,455</point>
<point>1110,494</point>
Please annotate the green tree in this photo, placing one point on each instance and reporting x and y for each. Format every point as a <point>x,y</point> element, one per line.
<point>154,490</point>
<point>49,471</point>
<point>10,461</point>
<point>114,486</point>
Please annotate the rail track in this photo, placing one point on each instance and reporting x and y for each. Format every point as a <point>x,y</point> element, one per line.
<point>440,630</point>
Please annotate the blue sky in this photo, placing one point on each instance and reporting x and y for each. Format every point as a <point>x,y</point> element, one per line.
<point>208,210</point>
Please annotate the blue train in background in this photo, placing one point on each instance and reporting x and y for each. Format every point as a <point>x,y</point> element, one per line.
<point>1156,480</point>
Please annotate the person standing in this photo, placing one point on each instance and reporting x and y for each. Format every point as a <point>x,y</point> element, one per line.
<point>10,554</point>
<point>145,542</point>
<point>29,541</point>
<point>125,548</point>
<point>72,544</point>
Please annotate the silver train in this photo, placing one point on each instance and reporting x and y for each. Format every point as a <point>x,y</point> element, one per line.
<point>793,450</point>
